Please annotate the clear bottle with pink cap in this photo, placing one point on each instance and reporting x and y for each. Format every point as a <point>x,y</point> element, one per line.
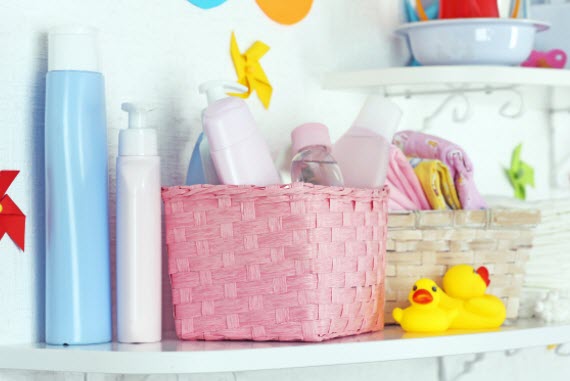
<point>313,162</point>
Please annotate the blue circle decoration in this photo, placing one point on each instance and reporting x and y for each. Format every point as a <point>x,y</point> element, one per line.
<point>207,4</point>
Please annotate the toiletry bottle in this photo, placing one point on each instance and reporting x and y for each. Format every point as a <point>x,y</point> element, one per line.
<point>139,248</point>
<point>210,174</point>
<point>201,169</point>
<point>312,161</point>
<point>363,151</point>
<point>195,174</point>
<point>78,287</point>
<point>239,152</point>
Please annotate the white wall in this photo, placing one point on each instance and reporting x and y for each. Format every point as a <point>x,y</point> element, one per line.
<point>159,52</point>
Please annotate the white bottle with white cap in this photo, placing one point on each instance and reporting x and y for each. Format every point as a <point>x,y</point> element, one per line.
<point>139,248</point>
<point>239,152</point>
<point>363,152</point>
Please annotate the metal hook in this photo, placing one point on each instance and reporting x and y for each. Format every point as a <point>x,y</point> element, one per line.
<point>460,115</point>
<point>512,352</point>
<point>518,106</point>
<point>468,366</point>
<point>559,351</point>
<point>556,166</point>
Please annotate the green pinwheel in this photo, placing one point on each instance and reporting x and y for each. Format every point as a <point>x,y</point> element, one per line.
<point>520,174</point>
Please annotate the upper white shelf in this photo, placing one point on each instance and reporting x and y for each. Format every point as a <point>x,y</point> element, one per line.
<point>173,356</point>
<point>445,79</point>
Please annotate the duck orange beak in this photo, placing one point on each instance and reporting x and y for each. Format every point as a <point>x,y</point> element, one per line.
<point>422,296</point>
<point>484,273</point>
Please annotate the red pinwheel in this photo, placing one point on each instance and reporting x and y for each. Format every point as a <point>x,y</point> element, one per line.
<point>12,220</point>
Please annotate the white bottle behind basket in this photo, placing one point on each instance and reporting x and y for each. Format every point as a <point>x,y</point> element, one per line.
<point>239,152</point>
<point>363,152</point>
<point>139,248</point>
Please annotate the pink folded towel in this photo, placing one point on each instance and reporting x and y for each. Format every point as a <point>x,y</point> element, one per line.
<point>406,192</point>
<point>425,146</point>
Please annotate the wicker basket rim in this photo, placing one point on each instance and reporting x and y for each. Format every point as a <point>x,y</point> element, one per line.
<point>255,192</point>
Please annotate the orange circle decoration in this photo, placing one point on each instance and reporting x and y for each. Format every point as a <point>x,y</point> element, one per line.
<point>287,12</point>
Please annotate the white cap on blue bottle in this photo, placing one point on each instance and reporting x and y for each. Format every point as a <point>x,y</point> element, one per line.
<point>73,48</point>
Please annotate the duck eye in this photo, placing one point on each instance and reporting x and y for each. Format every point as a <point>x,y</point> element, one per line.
<point>434,289</point>
<point>415,288</point>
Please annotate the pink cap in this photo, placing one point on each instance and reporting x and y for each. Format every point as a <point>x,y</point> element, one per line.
<point>310,134</point>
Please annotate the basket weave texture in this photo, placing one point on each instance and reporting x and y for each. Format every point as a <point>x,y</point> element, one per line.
<point>287,263</point>
<point>425,244</point>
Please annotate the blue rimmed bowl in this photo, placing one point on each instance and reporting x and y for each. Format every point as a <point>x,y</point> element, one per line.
<point>484,41</point>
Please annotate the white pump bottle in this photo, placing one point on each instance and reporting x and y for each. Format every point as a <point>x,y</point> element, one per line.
<point>139,248</point>
<point>239,152</point>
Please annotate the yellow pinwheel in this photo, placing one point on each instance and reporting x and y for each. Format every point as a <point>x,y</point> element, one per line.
<point>249,70</point>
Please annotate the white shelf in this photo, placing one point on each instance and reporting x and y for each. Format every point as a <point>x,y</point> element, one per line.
<point>173,356</point>
<point>444,79</point>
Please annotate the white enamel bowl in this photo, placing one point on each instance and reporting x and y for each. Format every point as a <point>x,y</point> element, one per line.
<point>490,41</point>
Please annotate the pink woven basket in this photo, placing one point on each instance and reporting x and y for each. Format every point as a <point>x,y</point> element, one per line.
<point>287,263</point>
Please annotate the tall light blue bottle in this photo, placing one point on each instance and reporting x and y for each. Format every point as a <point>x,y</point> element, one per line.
<point>78,294</point>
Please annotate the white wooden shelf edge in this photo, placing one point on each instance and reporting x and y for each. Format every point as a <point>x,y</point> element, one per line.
<point>173,356</point>
<point>449,77</point>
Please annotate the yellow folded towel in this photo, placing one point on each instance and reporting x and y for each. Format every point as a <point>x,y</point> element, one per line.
<point>437,184</point>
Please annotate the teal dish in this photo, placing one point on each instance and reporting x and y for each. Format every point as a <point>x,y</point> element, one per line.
<point>207,4</point>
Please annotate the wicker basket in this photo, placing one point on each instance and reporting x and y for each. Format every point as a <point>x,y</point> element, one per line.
<point>425,244</point>
<point>298,262</point>
<point>548,268</point>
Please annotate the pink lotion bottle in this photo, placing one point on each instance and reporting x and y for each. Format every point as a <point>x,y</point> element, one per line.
<point>363,152</point>
<point>239,152</point>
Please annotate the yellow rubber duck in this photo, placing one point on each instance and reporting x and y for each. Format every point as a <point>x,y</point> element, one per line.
<point>465,290</point>
<point>424,315</point>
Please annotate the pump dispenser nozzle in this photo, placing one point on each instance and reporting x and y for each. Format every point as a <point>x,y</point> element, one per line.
<point>137,140</point>
<point>216,90</point>
<point>137,114</point>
